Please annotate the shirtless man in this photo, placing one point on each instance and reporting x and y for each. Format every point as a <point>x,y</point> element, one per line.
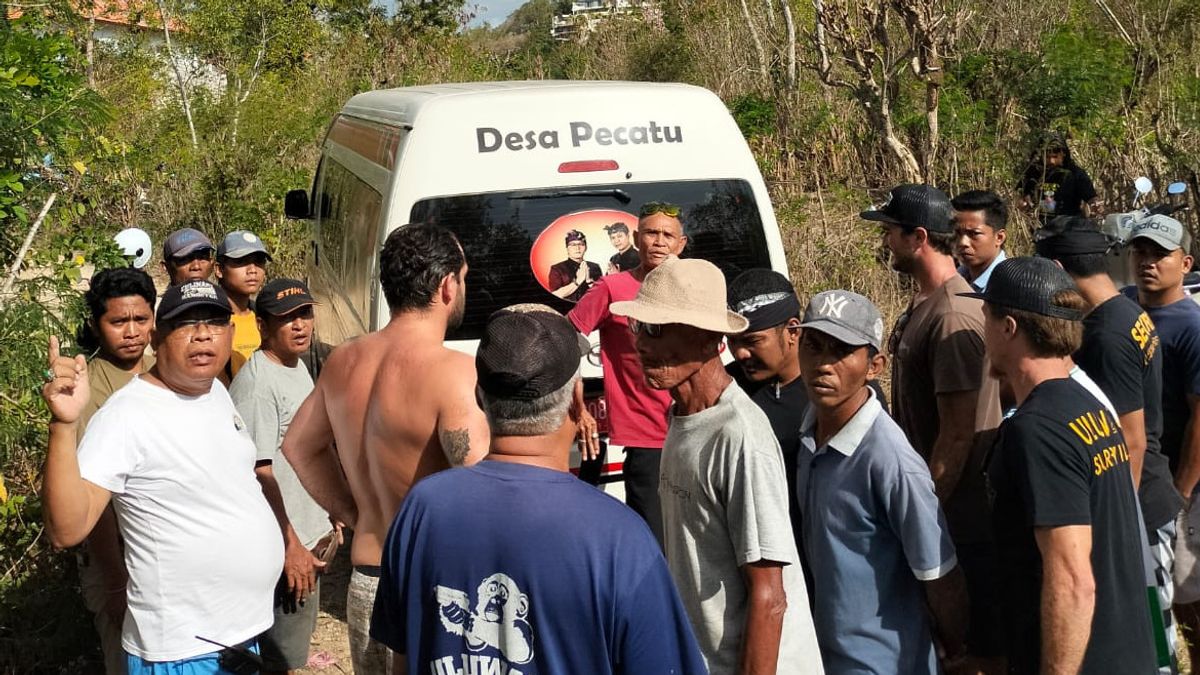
<point>397,406</point>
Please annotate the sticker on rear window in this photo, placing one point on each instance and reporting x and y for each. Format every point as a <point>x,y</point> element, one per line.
<point>575,250</point>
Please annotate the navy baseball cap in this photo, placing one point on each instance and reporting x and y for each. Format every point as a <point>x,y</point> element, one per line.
<point>185,242</point>
<point>912,206</point>
<point>241,243</point>
<point>185,296</point>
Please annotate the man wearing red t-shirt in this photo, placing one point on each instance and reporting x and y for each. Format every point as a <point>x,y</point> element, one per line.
<point>638,414</point>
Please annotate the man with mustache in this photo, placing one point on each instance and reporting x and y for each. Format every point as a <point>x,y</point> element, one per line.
<point>120,305</point>
<point>390,408</point>
<point>172,455</point>
<point>267,392</point>
<point>1159,261</point>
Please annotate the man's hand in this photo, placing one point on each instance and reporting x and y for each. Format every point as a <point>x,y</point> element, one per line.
<point>68,392</point>
<point>581,275</point>
<point>589,436</point>
<point>300,567</point>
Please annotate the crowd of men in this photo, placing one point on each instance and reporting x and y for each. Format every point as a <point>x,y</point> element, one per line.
<point>1016,507</point>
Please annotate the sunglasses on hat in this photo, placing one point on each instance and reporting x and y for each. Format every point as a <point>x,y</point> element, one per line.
<point>665,208</point>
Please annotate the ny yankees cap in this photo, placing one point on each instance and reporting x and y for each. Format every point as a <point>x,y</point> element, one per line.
<point>239,244</point>
<point>912,206</point>
<point>1162,230</point>
<point>181,298</point>
<point>1029,284</point>
<point>846,316</point>
<point>528,351</point>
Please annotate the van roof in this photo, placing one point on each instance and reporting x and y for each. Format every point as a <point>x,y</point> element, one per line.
<point>404,104</point>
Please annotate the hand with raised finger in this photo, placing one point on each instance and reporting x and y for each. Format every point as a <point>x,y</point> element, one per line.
<point>67,389</point>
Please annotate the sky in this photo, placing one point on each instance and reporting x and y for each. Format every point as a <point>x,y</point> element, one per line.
<point>490,11</point>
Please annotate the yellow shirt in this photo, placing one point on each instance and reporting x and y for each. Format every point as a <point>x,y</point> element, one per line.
<point>245,340</point>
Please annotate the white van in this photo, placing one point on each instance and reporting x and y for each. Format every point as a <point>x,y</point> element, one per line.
<point>510,168</point>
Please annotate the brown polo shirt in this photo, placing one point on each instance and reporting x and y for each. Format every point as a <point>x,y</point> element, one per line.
<point>937,348</point>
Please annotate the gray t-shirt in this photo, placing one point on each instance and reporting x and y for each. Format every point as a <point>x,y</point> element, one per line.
<point>268,394</point>
<point>725,504</point>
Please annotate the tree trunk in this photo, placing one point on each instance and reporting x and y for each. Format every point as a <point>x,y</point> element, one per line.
<point>790,26</point>
<point>185,98</point>
<point>764,74</point>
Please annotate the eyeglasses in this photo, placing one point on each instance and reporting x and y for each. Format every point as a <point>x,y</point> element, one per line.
<point>216,324</point>
<point>665,208</point>
<point>651,330</point>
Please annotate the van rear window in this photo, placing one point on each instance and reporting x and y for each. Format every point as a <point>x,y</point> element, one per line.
<point>498,231</point>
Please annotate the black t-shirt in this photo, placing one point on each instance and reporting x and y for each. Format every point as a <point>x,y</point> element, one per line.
<point>1120,352</point>
<point>627,261</point>
<point>1060,192</point>
<point>1061,460</point>
<point>785,407</point>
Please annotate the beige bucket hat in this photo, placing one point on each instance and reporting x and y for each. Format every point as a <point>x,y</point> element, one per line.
<point>690,292</point>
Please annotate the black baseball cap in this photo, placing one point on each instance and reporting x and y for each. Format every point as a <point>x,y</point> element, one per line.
<point>1029,284</point>
<point>189,295</point>
<point>1071,235</point>
<point>282,296</point>
<point>912,206</point>
<point>528,351</point>
<point>185,242</point>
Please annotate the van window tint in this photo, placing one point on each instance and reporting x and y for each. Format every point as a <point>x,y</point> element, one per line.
<point>498,230</point>
<point>343,269</point>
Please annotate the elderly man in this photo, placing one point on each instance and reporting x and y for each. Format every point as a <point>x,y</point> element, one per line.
<point>267,393</point>
<point>942,395</point>
<point>187,256</point>
<point>1065,511</point>
<point>389,409</point>
<point>469,587</point>
<point>637,413</point>
<point>724,495</point>
<point>170,451</point>
<point>886,579</point>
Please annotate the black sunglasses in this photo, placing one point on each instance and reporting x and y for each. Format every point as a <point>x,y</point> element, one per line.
<point>651,330</point>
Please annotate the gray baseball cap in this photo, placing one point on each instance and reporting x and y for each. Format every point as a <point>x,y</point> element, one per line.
<point>1162,230</point>
<point>846,316</point>
<point>239,244</point>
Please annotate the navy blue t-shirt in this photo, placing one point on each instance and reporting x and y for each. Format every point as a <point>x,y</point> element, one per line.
<point>513,569</point>
<point>1178,327</point>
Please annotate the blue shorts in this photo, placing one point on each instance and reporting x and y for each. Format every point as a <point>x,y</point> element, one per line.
<point>205,664</point>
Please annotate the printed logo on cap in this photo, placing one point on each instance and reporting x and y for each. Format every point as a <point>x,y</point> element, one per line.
<point>878,330</point>
<point>833,305</point>
<point>198,290</point>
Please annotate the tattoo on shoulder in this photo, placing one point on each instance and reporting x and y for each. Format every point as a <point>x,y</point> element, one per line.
<point>456,443</point>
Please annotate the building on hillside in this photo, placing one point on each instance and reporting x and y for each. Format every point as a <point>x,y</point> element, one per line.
<point>587,15</point>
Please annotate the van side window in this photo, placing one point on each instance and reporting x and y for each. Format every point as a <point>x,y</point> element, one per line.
<point>347,227</point>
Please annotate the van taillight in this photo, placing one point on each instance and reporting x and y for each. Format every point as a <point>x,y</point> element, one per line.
<point>589,165</point>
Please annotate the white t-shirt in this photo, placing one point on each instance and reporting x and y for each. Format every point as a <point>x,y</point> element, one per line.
<point>203,548</point>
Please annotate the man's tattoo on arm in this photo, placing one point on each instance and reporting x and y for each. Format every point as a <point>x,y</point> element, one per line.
<point>456,443</point>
